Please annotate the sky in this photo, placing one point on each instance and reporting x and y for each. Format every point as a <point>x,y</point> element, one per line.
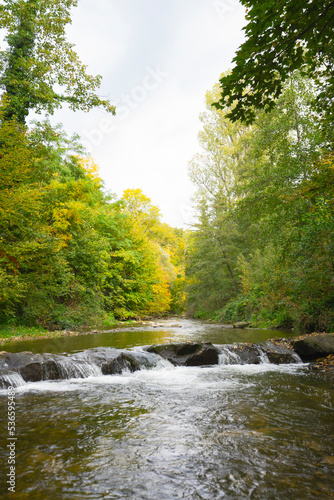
<point>157,59</point>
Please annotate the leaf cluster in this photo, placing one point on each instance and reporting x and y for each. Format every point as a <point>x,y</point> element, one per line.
<point>281,36</point>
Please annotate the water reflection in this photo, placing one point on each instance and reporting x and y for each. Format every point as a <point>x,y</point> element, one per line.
<point>187,330</point>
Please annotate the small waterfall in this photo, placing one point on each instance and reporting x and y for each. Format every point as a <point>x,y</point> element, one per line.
<point>19,368</point>
<point>72,368</point>
<point>252,354</point>
<point>297,358</point>
<point>263,356</point>
<point>11,379</point>
<point>229,357</point>
<point>241,354</point>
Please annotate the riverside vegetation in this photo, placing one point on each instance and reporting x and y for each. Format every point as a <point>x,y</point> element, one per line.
<point>263,248</point>
<point>73,256</point>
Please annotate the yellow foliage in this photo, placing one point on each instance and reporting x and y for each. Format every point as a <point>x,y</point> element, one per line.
<point>141,210</point>
<point>91,168</point>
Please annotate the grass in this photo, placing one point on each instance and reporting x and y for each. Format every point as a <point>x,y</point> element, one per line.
<point>9,331</point>
<point>13,333</point>
<point>110,322</point>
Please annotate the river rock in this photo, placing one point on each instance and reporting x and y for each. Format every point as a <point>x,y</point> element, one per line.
<point>119,364</point>
<point>241,354</point>
<point>46,369</point>
<point>11,360</point>
<point>32,367</point>
<point>102,355</point>
<point>279,354</point>
<point>187,354</point>
<point>145,359</point>
<point>240,324</point>
<point>96,356</point>
<point>314,346</point>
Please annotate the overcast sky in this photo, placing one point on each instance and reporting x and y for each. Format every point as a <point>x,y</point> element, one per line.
<point>157,59</point>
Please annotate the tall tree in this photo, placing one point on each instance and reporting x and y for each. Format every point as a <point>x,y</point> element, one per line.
<point>39,70</point>
<point>218,239</point>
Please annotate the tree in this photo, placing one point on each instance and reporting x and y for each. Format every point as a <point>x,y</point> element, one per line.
<point>146,215</point>
<point>281,36</point>
<point>286,182</point>
<point>218,239</point>
<point>33,272</point>
<point>283,147</point>
<point>40,69</point>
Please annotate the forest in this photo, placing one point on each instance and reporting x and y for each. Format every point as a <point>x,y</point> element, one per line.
<point>73,255</point>
<point>263,247</point>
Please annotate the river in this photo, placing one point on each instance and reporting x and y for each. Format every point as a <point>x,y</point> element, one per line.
<point>234,431</point>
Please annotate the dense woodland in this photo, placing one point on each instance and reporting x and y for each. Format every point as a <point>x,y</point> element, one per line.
<point>263,248</point>
<point>72,255</point>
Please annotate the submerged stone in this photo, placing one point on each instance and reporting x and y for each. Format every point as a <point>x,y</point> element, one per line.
<point>240,324</point>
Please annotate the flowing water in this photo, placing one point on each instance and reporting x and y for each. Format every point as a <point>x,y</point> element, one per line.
<point>229,431</point>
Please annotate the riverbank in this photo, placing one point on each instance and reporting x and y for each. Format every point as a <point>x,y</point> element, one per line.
<point>24,333</point>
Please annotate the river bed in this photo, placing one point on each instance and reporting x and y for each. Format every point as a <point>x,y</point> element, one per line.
<point>221,432</point>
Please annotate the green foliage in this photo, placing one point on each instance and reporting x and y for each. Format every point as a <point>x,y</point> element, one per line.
<point>8,331</point>
<point>212,277</point>
<point>280,38</point>
<point>40,69</point>
<point>275,219</point>
<point>211,272</point>
<point>233,311</point>
<point>71,255</point>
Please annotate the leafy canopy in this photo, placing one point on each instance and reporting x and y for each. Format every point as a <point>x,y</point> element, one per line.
<point>281,36</point>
